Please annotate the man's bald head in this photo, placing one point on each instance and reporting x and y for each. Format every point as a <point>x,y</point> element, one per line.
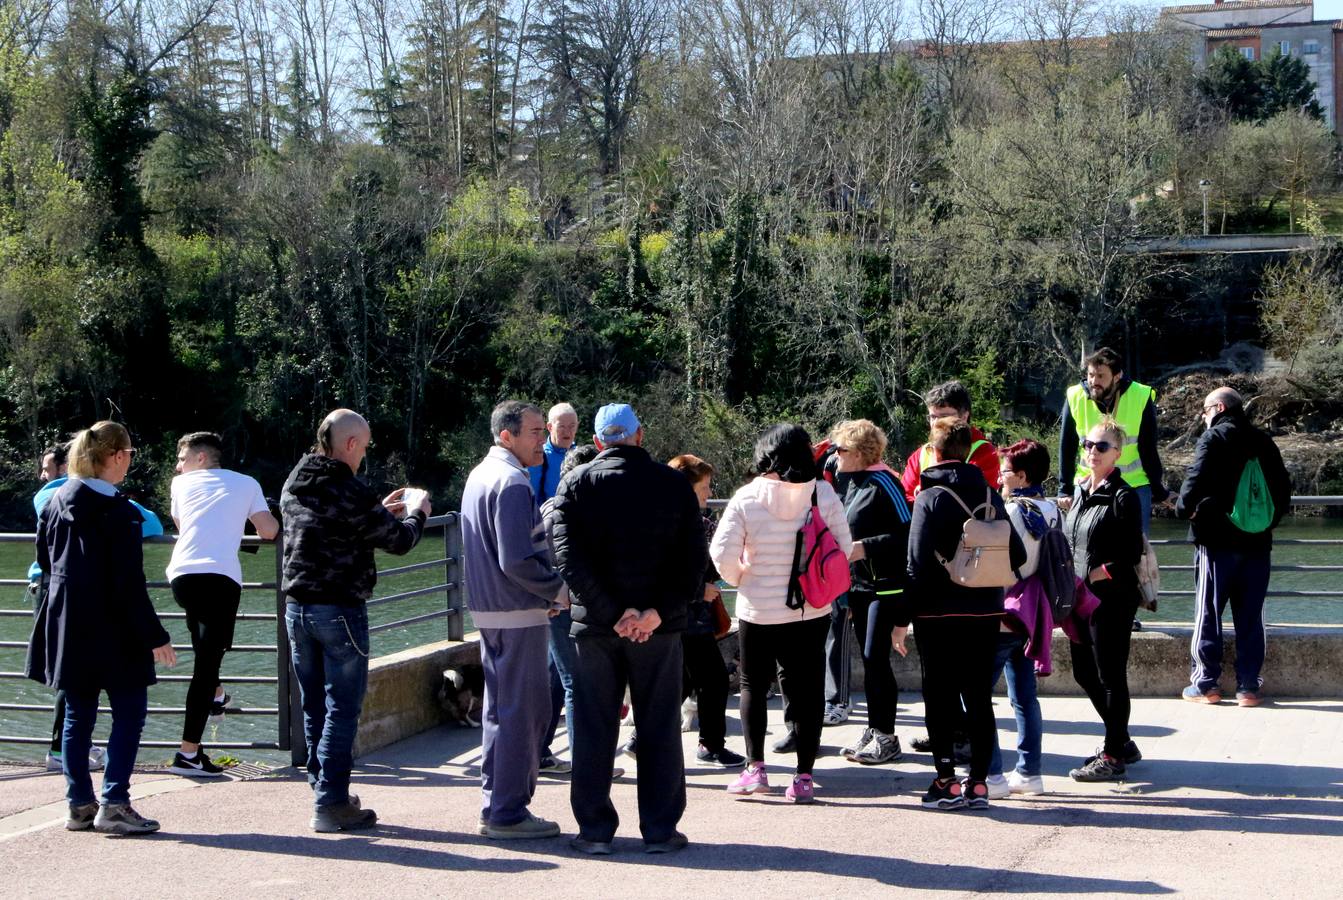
<point>1222,399</point>
<point>344,435</point>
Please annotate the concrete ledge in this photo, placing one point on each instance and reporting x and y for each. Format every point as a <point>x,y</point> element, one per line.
<point>402,698</point>
<point>1302,661</point>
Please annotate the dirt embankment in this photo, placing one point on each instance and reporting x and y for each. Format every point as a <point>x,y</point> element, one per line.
<point>1307,428</point>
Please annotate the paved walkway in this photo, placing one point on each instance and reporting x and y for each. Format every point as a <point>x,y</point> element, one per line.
<point>1228,803</point>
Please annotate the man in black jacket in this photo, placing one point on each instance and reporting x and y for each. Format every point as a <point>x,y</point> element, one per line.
<point>332,524</point>
<point>630,545</point>
<point>1233,564</point>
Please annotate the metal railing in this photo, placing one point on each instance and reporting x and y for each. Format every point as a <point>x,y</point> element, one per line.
<point>1304,500</point>
<point>287,709</point>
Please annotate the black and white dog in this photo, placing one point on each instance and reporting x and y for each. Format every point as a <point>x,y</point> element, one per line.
<point>462,694</point>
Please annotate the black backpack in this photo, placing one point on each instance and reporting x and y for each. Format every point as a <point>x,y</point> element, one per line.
<point>1055,571</point>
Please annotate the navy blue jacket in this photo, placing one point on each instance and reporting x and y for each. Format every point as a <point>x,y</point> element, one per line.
<point>96,627</point>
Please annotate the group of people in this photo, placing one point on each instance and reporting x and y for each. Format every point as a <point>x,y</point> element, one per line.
<point>593,573</point>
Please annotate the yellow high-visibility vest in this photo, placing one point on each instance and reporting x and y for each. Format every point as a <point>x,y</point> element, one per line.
<point>928,456</point>
<point>1128,413</point>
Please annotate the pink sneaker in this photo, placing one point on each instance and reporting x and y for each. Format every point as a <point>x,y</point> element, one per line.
<point>752,780</point>
<point>800,791</point>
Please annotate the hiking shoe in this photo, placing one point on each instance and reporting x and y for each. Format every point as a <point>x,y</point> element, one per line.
<point>219,705</point>
<point>1128,756</point>
<point>1194,695</point>
<point>81,816</point>
<point>528,828</point>
<point>863,740</point>
<point>835,714</point>
<point>944,795</point>
<point>677,841</point>
<point>752,780</point>
<point>591,848</point>
<point>345,816</point>
<point>198,766</point>
<point>1100,768</point>
<point>787,743</point>
<point>119,818</point>
<point>1025,784</point>
<point>1248,698</point>
<point>722,757</point>
<point>883,748</point>
<point>998,787</point>
<point>976,794</point>
<point>553,765</point>
<point>800,791</point>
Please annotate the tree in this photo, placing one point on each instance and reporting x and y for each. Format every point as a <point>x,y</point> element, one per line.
<point>1286,87</point>
<point>1232,83</point>
<point>1299,154</point>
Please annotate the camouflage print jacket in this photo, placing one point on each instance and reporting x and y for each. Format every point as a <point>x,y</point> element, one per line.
<point>332,524</point>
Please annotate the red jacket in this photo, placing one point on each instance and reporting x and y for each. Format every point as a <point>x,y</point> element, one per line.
<point>985,456</point>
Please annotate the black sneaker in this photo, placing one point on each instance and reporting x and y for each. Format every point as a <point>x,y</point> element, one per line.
<point>219,705</point>
<point>944,795</point>
<point>198,766</point>
<point>1100,768</point>
<point>1128,756</point>
<point>787,743</point>
<point>630,748</point>
<point>976,794</point>
<point>722,757</point>
<point>342,817</point>
<point>960,750</point>
<point>922,744</point>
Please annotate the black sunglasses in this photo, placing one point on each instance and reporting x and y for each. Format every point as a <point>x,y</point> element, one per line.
<point>1098,446</point>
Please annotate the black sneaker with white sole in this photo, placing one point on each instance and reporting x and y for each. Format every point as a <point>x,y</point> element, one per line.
<point>219,705</point>
<point>198,766</point>
<point>722,757</point>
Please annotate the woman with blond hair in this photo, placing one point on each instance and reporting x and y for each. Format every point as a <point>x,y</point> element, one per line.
<point>97,631</point>
<point>1104,528</point>
<point>878,516</point>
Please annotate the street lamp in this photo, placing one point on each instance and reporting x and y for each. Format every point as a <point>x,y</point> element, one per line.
<point>1205,186</point>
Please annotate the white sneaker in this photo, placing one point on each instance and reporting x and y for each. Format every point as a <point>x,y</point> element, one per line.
<point>835,714</point>
<point>1025,784</point>
<point>857,746</point>
<point>97,758</point>
<point>54,762</point>
<point>998,789</point>
<point>883,748</point>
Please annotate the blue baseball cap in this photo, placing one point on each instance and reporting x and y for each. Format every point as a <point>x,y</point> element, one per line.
<point>615,422</point>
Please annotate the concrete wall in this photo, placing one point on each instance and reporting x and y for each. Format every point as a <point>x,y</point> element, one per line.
<point>1302,662</point>
<point>402,697</point>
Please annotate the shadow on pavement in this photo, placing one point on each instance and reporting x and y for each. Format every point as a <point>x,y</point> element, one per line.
<point>366,847</point>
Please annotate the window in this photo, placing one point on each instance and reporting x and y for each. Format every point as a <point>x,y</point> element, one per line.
<point>1248,53</point>
<point>1310,47</point>
<point>1285,48</point>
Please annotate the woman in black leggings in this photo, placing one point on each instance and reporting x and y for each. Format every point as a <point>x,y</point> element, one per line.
<point>1104,527</point>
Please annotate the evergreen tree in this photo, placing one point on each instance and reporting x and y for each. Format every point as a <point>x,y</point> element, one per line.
<point>1233,82</point>
<point>1285,86</point>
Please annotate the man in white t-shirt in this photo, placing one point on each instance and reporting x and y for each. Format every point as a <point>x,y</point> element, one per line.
<point>210,506</point>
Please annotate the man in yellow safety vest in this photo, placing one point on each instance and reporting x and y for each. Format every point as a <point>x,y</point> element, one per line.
<point>1106,392</point>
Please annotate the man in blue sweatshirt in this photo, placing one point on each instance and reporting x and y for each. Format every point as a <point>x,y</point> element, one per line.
<point>512,589</point>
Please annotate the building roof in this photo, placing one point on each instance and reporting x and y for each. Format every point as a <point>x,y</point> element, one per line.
<point>1224,33</point>
<point>1235,4</point>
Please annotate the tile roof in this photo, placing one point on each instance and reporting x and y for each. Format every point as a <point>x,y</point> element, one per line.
<point>1212,33</point>
<point>1232,5</point>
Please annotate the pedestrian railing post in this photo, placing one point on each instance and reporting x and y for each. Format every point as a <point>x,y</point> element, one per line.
<point>453,573</point>
<point>287,705</point>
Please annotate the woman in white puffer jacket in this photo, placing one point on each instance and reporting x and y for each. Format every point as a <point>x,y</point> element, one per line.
<point>753,549</point>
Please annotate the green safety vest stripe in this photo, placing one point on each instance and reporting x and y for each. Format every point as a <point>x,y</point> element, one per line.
<point>926,458</point>
<point>1128,413</point>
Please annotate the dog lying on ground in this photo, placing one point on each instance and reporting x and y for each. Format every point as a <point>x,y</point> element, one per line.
<point>462,694</point>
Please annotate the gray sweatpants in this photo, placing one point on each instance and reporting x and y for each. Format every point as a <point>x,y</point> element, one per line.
<point>516,713</point>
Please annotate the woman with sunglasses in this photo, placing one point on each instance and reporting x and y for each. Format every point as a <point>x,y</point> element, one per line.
<point>1104,528</point>
<point>97,630</point>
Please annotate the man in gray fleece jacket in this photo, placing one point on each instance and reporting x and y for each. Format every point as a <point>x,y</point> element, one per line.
<point>512,589</point>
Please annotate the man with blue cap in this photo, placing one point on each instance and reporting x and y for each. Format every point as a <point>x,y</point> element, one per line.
<point>630,545</point>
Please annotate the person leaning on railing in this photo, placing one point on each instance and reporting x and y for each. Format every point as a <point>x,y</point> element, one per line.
<point>97,630</point>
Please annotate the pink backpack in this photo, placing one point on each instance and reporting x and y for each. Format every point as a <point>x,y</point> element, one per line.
<point>820,568</point>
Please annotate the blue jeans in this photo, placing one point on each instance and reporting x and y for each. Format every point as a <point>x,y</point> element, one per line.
<point>1145,504</point>
<point>329,647</point>
<point>1011,657</point>
<point>563,662</point>
<point>128,721</point>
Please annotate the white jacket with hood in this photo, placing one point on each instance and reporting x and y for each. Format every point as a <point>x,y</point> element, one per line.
<point>753,546</point>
